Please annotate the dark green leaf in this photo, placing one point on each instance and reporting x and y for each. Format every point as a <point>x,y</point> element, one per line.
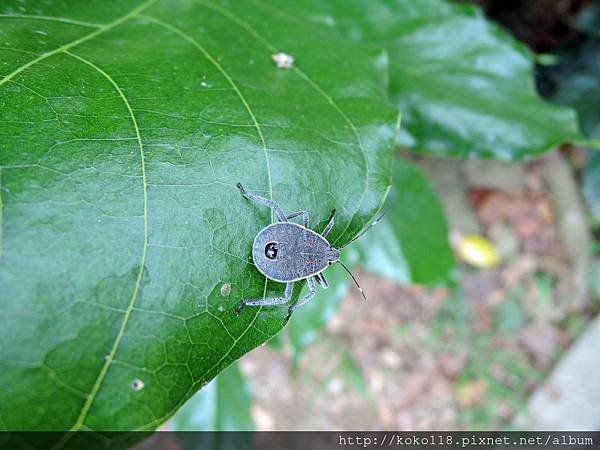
<point>410,245</point>
<point>464,86</point>
<point>125,244</point>
<point>223,405</point>
<point>575,83</point>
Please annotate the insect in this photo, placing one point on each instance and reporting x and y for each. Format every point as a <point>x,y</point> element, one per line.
<point>288,252</point>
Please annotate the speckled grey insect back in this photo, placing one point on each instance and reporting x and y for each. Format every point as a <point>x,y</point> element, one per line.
<point>298,252</point>
<point>288,252</point>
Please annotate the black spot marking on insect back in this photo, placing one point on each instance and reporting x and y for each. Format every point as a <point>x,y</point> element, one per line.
<point>271,250</point>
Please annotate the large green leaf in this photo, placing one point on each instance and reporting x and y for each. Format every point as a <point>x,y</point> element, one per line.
<point>125,244</point>
<point>464,86</point>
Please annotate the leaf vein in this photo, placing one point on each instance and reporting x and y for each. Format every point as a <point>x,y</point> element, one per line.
<point>246,26</point>
<point>76,42</point>
<point>103,371</point>
<point>200,380</point>
<point>231,82</point>
<point>52,19</point>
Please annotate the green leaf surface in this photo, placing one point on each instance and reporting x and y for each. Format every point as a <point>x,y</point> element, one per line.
<point>125,245</point>
<point>464,86</point>
<point>410,245</point>
<point>223,405</point>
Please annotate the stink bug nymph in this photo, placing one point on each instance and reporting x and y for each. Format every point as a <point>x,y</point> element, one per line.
<point>288,252</point>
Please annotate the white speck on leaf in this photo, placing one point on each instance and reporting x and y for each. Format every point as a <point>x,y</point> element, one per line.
<point>327,20</point>
<point>221,308</point>
<point>137,385</point>
<point>225,290</point>
<point>283,60</point>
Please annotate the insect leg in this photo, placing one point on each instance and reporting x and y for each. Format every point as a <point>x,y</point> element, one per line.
<point>307,298</point>
<point>263,201</point>
<point>289,287</point>
<point>304,214</point>
<point>329,225</point>
<point>320,277</point>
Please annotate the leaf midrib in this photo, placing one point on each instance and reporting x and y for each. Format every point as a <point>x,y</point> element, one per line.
<point>96,387</point>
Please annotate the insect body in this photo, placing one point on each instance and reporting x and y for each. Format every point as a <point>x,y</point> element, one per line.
<point>288,252</point>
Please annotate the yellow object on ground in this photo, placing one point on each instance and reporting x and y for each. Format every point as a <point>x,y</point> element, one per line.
<point>477,251</point>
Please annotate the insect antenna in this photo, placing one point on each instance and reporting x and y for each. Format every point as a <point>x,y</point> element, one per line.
<point>355,282</point>
<point>371,225</point>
